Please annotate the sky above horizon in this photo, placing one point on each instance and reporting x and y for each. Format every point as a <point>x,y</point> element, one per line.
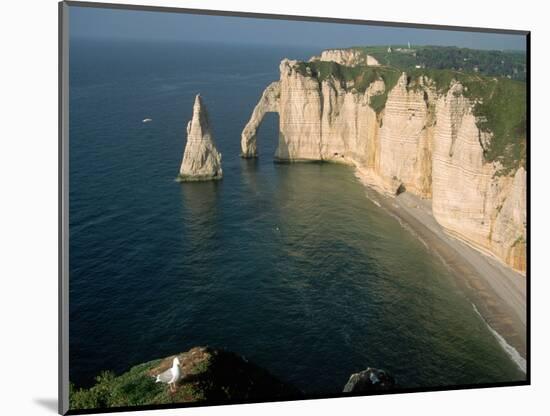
<point>86,22</point>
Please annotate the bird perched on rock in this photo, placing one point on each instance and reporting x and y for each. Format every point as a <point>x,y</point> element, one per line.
<point>171,376</point>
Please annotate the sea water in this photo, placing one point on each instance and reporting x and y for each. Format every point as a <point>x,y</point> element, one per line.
<point>289,265</point>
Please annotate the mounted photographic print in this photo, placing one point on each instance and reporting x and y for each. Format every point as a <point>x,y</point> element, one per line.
<point>261,208</point>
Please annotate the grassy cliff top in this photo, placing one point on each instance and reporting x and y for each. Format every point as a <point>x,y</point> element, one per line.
<point>500,107</point>
<point>362,76</point>
<point>208,375</point>
<point>512,64</point>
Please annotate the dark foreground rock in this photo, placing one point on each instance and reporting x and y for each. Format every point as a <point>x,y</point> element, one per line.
<point>208,376</point>
<point>369,380</point>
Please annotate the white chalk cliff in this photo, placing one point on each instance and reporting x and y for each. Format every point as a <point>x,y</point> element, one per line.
<point>201,159</point>
<point>348,57</point>
<point>422,141</point>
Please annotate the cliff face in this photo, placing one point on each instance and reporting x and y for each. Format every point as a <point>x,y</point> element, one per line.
<point>469,199</point>
<point>201,159</point>
<point>348,57</point>
<point>423,141</point>
<point>404,143</point>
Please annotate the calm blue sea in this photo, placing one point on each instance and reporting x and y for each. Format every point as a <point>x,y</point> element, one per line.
<point>289,265</point>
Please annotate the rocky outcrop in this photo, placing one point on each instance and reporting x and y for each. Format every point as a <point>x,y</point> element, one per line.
<point>423,140</point>
<point>208,375</point>
<point>201,159</point>
<point>348,57</point>
<point>369,380</point>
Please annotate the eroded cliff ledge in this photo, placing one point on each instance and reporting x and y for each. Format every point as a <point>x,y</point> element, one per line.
<point>348,57</point>
<point>440,136</point>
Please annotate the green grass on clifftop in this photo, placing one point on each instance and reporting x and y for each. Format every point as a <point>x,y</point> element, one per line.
<point>500,107</point>
<point>208,375</point>
<point>486,62</point>
<point>362,77</point>
<point>502,110</point>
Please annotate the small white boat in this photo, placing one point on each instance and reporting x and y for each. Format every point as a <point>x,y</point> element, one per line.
<point>146,120</point>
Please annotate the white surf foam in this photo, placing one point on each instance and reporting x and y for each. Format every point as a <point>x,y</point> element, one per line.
<point>511,351</point>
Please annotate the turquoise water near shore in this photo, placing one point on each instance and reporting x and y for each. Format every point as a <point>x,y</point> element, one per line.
<point>288,264</point>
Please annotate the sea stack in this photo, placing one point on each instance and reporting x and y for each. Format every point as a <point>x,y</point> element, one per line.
<point>201,159</point>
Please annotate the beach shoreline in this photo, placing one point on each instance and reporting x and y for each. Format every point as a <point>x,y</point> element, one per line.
<point>497,292</point>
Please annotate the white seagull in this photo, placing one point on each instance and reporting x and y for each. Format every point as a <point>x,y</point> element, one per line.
<point>171,376</point>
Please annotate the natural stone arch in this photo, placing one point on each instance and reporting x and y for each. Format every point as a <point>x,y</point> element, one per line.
<point>269,103</point>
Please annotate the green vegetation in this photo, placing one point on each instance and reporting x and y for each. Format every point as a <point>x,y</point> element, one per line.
<point>500,107</point>
<point>378,102</point>
<point>519,240</point>
<point>492,80</point>
<point>208,375</point>
<point>362,77</point>
<point>491,63</point>
<point>392,59</point>
<point>133,388</point>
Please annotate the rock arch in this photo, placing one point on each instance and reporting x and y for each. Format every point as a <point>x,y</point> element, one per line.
<point>269,103</point>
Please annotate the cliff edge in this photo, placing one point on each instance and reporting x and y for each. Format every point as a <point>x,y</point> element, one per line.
<point>208,375</point>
